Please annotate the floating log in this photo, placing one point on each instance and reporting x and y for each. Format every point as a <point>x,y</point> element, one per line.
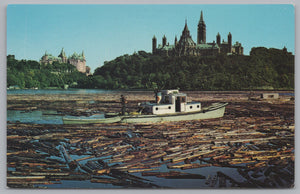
<point>78,177</point>
<point>142,170</point>
<point>103,171</point>
<point>85,158</point>
<point>71,163</point>
<point>25,177</point>
<point>26,184</point>
<point>106,181</point>
<point>170,156</point>
<point>188,166</point>
<point>159,155</point>
<point>174,175</point>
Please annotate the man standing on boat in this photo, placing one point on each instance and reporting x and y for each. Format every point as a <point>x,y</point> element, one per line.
<point>123,102</point>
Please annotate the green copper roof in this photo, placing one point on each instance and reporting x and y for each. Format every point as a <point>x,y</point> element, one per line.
<point>166,47</point>
<point>77,56</point>
<point>63,54</point>
<point>207,46</point>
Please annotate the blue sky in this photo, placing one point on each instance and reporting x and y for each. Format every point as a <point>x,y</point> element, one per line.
<point>105,32</point>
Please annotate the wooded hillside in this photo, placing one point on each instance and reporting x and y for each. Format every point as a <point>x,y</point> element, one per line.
<point>263,69</point>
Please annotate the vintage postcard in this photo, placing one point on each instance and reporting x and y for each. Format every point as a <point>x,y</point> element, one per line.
<point>150,96</point>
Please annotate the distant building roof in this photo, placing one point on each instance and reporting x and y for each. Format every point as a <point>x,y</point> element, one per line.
<point>207,46</point>
<point>77,56</point>
<point>237,44</point>
<point>186,38</point>
<point>166,47</point>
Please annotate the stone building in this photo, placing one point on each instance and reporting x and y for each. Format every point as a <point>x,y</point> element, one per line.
<point>78,60</point>
<point>187,47</point>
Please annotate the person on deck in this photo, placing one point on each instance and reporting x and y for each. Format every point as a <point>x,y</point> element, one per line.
<point>123,103</point>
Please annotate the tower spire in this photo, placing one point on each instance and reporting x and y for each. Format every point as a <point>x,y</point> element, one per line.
<point>201,17</point>
<point>218,39</point>
<point>154,42</point>
<point>201,36</point>
<point>164,41</point>
<point>186,29</point>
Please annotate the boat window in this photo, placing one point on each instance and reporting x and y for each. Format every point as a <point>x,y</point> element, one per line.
<point>183,99</point>
<point>156,108</point>
<point>169,107</point>
<point>167,100</point>
<point>198,106</point>
<point>191,107</point>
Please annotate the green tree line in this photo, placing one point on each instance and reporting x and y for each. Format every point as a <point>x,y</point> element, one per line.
<point>32,74</point>
<point>263,69</point>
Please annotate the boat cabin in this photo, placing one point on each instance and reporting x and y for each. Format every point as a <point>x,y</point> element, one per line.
<point>170,102</point>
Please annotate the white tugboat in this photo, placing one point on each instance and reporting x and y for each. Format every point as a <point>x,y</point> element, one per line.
<point>170,105</point>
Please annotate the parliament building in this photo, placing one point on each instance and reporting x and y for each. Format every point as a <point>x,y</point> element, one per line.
<point>187,47</point>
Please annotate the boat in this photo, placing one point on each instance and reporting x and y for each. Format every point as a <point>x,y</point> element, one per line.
<point>169,105</point>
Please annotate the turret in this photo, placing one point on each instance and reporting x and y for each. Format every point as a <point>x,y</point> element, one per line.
<point>218,39</point>
<point>63,56</point>
<point>164,41</point>
<point>185,40</point>
<point>83,56</point>
<point>284,49</point>
<point>46,56</point>
<point>201,38</point>
<point>154,42</point>
<point>186,31</point>
<point>229,42</point>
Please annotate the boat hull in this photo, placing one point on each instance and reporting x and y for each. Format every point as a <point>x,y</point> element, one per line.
<point>210,113</point>
<point>91,121</point>
<point>215,111</point>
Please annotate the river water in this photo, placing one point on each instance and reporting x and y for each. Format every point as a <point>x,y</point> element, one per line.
<point>98,91</point>
<point>69,91</point>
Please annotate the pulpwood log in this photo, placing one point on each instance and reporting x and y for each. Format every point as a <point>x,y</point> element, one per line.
<point>174,175</point>
<point>20,178</point>
<point>107,181</point>
<point>142,170</point>
<point>188,166</point>
<point>30,184</point>
<point>71,163</point>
